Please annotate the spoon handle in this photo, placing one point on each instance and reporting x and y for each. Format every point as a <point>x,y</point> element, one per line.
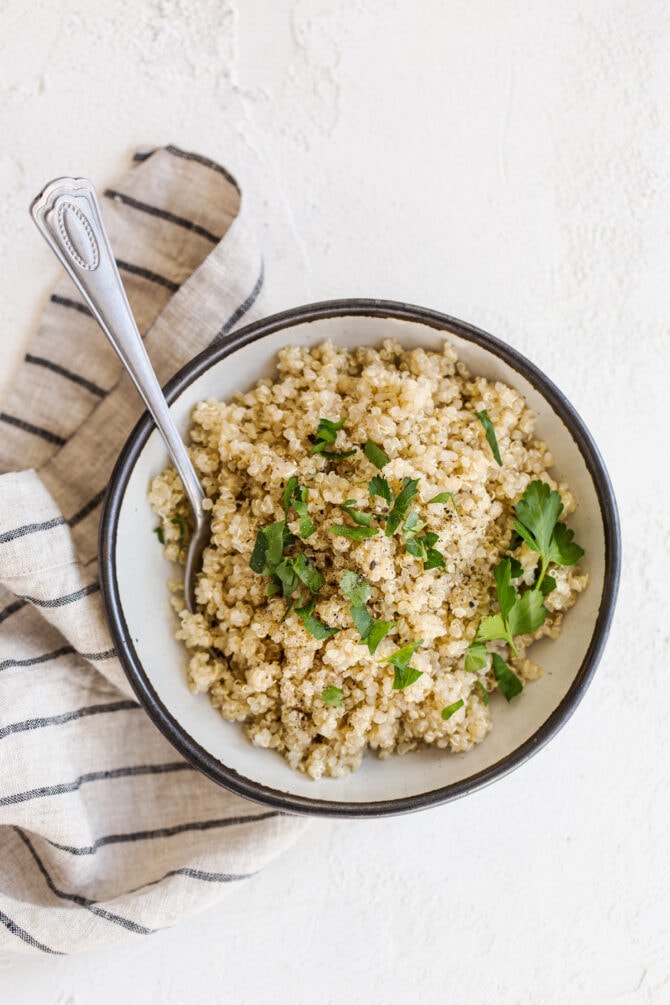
<point>68,216</point>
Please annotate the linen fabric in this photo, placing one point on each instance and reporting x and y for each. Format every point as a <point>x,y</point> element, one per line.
<point>106,833</point>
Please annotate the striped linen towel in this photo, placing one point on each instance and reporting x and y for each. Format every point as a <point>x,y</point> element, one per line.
<point>105,832</point>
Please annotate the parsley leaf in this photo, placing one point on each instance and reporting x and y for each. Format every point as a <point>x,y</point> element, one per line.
<point>445,497</point>
<point>178,522</point>
<point>258,560</point>
<point>507,595</point>
<point>355,533</point>
<point>332,696</point>
<point>363,620</point>
<point>422,547</point>
<point>296,495</point>
<point>274,535</point>
<point>362,519</point>
<point>375,454</point>
<point>307,573</point>
<point>326,434</point>
<point>378,631</point>
<point>528,613</point>
<point>316,628</point>
<point>563,551</point>
<point>355,588</point>
<point>520,613</point>
<point>404,674</point>
<point>378,486</point>
<point>476,657</point>
<point>450,709</point>
<point>508,682</point>
<point>401,505</point>
<point>538,511</point>
<point>483,417</point>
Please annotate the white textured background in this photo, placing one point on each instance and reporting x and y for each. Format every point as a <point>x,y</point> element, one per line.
<point>507,163</point>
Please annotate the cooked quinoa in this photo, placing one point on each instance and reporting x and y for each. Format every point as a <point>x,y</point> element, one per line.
<point>266,670</point>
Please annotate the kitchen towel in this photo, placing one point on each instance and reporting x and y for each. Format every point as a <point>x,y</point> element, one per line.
<point>106,833</point>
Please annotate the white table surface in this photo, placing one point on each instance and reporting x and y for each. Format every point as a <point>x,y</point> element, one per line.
<point>507,163</point>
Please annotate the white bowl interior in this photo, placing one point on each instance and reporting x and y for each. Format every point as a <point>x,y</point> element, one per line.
<point>142,573</point>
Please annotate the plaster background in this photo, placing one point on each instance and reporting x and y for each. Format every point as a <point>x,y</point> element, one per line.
<point>507,164</point>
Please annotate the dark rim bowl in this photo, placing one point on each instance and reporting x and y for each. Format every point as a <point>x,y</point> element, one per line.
<point>126,644</point>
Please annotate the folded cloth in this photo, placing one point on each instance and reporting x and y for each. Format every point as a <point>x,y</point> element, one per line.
<point>105,832</point>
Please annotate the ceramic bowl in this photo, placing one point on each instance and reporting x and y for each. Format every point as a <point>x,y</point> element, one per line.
<point>134,575</point>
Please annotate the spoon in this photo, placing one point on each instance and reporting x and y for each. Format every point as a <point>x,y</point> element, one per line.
<point>67,214</point>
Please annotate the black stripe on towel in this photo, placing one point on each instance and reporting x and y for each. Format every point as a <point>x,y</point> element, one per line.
<point>87,509</point>
<point>28,427</point>
<point>243,308</point>
<point>57,720</point>
<point>21,933</point>
<point>162,214</point>
<point>92,776</point>
<point>165,832</point>
<point>48,364</point>
<point>199,874</point>
<point>92,657</point>
<point>34,660</point>
<point>30,528</point>
<point>72,304</point>
<point>68,598</point>
<point>154,277</point>
<point>11,609</point>
<point>205,161</point>
<point>90,905</point>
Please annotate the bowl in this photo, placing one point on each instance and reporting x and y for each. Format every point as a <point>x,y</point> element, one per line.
<point>134,574</point>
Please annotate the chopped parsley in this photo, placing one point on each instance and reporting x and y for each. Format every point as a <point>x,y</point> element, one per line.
<point>357,591</point>
<point>450,709</point>
<point>508,682</point>
<point>316,628</point>
<point>178,522</point>
<point>483,417</point>
<point>295,496</point>
<point>332,696</point>
<point>378,486</point>
<point>375,454</point>
<point>402,503</point>
<point>423,546</point>
<point>326,434</point>
<point>445,497</point>
<point>476,657</point>
<point>355,533</point>
<point>362,519</point>
<point>404,674</point>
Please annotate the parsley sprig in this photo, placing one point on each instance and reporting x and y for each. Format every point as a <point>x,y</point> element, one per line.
<point>538,511</point>
<point>520,613</point>
<point>523,611</point>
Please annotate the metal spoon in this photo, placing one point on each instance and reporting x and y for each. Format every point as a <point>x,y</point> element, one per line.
<point>68,215</point>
